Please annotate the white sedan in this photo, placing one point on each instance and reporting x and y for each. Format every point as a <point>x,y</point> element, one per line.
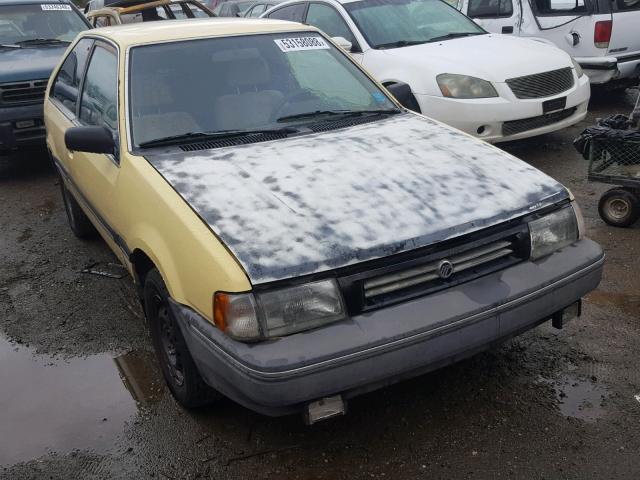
<point>439,62</point>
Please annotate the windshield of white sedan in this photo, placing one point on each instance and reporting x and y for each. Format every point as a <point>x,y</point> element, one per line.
<point>21,25</point>
<point>244,84</point>
<point>399,23</point>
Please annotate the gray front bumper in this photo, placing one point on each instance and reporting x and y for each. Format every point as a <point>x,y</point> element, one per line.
<point>12,138</point>
<point>394,343</point>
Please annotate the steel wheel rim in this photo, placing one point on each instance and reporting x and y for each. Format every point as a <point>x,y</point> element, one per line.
<point>167,336</point>
<point>618,208</point>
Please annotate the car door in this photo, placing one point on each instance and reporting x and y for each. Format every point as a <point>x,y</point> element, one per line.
<point>63,99</point>
<point>625,40</point>
<point>569,24</point>
<point>497,16</point>
<point>96,175</point>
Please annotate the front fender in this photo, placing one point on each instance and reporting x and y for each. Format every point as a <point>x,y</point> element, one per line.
<point>193,262</point>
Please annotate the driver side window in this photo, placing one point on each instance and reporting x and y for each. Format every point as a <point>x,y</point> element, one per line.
<point>66,86</point>
<point>329,21</point>
<point>99,100</point>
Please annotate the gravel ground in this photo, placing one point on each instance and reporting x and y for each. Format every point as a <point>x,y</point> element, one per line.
<point>81,395</point>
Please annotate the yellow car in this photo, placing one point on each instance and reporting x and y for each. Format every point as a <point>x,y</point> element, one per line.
<point>296,236</point>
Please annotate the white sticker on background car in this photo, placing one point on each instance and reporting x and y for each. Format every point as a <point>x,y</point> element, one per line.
<point>53,6</point>
<point>296,44</point>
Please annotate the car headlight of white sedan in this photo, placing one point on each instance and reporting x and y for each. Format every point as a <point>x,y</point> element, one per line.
<point>578,68</point>
<point>463,86</point>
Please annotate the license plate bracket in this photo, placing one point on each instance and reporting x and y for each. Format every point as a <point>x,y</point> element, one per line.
<point>554,105</point>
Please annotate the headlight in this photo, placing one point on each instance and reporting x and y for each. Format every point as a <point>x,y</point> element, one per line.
<point>554,231</point>
<point>463,86</point>
<point>578,68</point>
<point>274,313</point>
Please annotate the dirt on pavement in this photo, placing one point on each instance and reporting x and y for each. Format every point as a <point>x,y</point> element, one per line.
<point>81,396</point>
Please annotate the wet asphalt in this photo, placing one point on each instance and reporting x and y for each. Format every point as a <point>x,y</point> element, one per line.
<point>81,396</point>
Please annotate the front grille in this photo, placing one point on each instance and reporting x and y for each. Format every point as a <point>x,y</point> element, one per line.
<point>22,92</point>
<point>518,126</point>
<point>542,84</point>
<point>424,274</point>
<point>416,273</point>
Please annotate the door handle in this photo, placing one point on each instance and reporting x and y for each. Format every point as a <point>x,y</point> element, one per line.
<point>507,29</point>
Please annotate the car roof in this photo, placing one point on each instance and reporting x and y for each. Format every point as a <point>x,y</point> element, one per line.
<point>175,30</point>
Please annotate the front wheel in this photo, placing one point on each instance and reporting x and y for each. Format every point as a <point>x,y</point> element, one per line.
<point>619,207</point>
<point>178,368</point>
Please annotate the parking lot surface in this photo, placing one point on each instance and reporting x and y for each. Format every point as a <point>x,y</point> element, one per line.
<point>81,396</point>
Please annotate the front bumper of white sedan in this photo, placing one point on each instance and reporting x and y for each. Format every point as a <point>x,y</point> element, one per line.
<point>507,117</point>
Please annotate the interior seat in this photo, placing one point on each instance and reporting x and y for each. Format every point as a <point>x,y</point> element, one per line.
<point>155,111</point>
<point>253,104</point>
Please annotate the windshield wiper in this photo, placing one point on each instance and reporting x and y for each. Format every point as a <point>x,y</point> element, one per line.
<point>40,41</point>
<point>4,45</point>
<point>449,36</point>
<point>342,113</point>
<point>400,43</point>
<point>221,134</point>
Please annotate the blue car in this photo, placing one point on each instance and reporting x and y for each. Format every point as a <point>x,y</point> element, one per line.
<point>33,37</point>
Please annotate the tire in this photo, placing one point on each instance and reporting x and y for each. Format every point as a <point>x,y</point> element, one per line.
<point>619,207</point>
<point>178,368</point>
<point>80,224</point>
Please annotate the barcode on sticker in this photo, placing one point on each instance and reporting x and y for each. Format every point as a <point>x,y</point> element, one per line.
<point>54,6</point>
<point>301,43</point>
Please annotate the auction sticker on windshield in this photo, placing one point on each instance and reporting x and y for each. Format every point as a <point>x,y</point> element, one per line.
<point>52,6</point>
<point>296,44</point>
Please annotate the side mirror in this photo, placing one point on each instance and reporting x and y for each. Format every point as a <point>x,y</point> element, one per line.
<point>90,139</point>
<point>343,43</point>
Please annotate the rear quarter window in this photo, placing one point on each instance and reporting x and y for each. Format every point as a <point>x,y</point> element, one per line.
<point>293,13</point>
<point>560,7</point>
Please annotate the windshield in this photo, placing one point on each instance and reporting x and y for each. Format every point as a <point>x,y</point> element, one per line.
<point>50,21</point>
<point>397,23</point>
<point>244,83</point>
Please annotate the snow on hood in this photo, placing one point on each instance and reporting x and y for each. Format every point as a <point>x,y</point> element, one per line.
<point>315,202</point>
<point>490,57</point>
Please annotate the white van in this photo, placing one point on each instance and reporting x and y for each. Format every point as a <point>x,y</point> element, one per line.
<point>602,35</point>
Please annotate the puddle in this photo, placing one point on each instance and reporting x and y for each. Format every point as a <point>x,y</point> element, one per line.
<point>53,405</point>
<point>627,302</point>
<point>580,399</point>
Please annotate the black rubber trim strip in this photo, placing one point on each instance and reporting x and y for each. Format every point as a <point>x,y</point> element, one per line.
<point>629,58</point>
<point>79,196</point>
<point>599,66</point>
